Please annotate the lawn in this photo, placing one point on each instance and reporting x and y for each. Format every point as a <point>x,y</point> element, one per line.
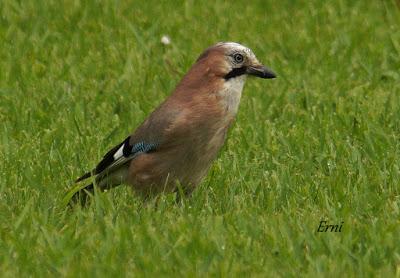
<point>320,142</point>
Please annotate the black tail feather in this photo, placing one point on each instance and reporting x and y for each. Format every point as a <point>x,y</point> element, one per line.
<point>84,176</point>
<point>82,196</point>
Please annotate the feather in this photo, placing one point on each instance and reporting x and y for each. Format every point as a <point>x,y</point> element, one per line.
<point>108,167</point>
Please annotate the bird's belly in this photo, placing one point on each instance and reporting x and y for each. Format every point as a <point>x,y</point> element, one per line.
<point>197,163</point>
<point>162,171</point>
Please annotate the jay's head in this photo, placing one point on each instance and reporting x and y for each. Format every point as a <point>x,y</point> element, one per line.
<point>230,60</point>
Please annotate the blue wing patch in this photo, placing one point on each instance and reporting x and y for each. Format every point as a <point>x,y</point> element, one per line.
<point>123,150</point>
<point>143,147</point>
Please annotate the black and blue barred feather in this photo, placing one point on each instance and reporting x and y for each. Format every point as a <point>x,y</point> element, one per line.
<point>128,152</point>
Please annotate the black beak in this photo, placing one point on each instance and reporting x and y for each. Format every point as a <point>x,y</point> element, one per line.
<point>260,71</point>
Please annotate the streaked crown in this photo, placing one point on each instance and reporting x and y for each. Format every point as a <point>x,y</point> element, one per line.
<point>231,59</point>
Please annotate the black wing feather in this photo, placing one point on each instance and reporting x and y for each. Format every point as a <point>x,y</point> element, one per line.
<point>128,151</point>
<point>108,158</point>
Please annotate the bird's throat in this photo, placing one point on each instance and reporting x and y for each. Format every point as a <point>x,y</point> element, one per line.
<point>231,93</point>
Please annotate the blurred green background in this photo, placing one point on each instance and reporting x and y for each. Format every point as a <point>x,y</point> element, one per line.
<point>320,142</point>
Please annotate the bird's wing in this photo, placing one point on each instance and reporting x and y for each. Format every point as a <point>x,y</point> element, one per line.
<point>149,137</point>
<point>119,155</point>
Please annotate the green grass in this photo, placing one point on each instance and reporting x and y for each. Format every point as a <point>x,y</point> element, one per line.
<point>321,142</point>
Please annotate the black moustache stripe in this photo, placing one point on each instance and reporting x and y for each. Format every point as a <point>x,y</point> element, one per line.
<point>235,72</point>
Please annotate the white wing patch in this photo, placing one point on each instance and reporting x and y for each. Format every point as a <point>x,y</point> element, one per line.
<point>119,153</point>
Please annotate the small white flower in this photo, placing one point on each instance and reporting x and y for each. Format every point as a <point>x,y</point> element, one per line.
<point>165,40</point>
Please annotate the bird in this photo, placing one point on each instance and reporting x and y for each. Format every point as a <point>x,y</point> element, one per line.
<point>175,146</point>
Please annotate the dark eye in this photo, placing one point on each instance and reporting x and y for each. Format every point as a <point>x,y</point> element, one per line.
<point>238,58</point>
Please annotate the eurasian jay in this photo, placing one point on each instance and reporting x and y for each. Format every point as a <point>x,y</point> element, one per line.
<point>177,143</point>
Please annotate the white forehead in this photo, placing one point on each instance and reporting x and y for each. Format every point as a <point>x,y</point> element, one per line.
<point>234,46</point>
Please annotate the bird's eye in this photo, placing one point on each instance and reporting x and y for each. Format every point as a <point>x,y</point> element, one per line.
<point>238,58</point>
